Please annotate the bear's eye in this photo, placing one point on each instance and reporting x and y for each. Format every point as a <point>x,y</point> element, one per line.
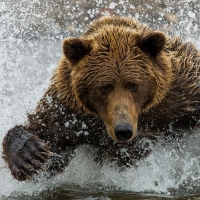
<point>106,89</point>
<point>132,87</point>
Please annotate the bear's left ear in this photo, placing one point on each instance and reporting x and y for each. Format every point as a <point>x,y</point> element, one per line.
<point>75,49</point>
<point>152,43</point>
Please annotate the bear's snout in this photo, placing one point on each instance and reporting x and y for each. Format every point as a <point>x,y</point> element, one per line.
<point>124,131</point>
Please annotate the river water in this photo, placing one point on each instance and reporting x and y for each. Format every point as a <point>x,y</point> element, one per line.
<point>31,36</point>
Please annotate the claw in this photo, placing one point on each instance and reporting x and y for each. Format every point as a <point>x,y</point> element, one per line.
<point>45,155</point>
<point>34,171</point>
<point>28,177</point>
<point>50,153</point>
<point>42,157</point>
<point>41,166</point>
<point>25,175</point>
<point>36,163</point>
<point>42,147</point>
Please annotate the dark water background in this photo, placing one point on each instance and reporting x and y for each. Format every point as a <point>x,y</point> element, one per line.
<point>31,34</point>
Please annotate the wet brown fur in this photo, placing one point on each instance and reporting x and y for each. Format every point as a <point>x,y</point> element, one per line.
<point>119,70</point>
<point>116,44</point>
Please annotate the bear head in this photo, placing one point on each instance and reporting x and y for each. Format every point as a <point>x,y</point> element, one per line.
<point>118,73</point>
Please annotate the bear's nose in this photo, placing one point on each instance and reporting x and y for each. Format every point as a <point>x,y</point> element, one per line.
<point>123,131</point>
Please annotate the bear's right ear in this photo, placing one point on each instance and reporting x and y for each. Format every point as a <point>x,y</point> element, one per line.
<point>75,49</point>
<point>152,43</point>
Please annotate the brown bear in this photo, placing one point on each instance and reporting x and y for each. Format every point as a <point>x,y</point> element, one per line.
<point>120,82</point>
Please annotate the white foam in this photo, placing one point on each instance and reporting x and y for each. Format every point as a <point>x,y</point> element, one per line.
<point>169,168</point>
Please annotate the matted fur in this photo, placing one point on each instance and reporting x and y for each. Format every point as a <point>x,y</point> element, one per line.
<point>118,71</point>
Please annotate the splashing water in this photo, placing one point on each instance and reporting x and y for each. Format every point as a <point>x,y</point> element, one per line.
<point>30,44</point>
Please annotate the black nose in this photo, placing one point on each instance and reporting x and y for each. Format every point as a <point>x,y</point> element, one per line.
<point>123,131</point>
